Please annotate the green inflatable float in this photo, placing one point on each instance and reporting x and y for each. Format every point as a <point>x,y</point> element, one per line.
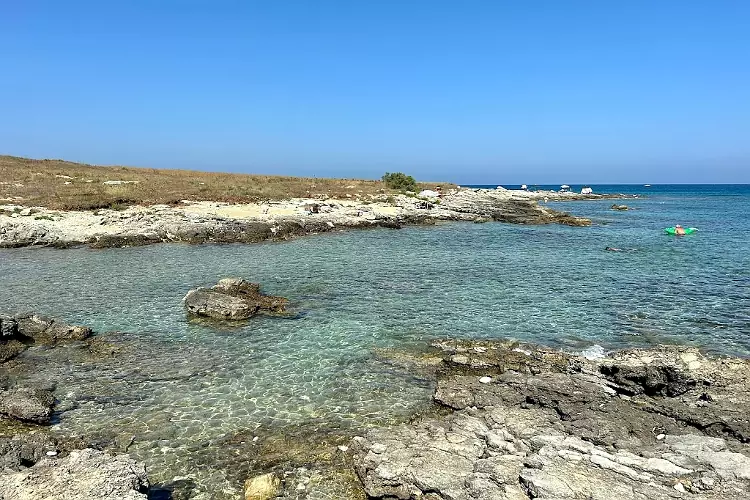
<point>673,230</point>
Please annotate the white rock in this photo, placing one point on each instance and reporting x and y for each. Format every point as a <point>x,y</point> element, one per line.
<point>51,453</point>
<point>679,487</point>
<point>378,448</point>
<point>485,380</point>
<point>661,436</point>
<point>343,448</point>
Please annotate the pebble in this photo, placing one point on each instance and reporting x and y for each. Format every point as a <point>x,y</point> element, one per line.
<point>343,448</point>
<point>51,453</point>
<point>661,436</point>
<point>485,380</point>
<point>679,487</point>
<point>378,448</point>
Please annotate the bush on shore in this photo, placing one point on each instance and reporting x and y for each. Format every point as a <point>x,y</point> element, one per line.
<point>400,181</point>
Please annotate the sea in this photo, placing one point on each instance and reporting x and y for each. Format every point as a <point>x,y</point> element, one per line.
<point>180,387</point>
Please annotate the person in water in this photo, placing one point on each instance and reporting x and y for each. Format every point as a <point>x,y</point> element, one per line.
<point>678,229</point>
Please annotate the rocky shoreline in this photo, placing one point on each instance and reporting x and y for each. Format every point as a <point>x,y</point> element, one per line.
<point>510,421</point>
<point>530,422</point>
<point>202,222</point>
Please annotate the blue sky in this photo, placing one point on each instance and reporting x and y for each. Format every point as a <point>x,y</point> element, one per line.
<point>538,91</point>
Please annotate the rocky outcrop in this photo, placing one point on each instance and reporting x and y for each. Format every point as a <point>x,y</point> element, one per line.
<point>49,331</point>
<point>87,473</point>
<point>16,332</point>
<point>499,206</point>
<point>528,422</point>
<point>27,404</point>
<point>620,208</point>
<point>232,299</point>
<point>203,222</point>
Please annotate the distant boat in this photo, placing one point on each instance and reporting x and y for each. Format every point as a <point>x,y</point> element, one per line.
<point>647,185</point>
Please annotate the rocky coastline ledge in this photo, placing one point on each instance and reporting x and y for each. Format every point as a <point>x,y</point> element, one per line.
<point>529,422</point>
<point>510,421</point>
<point>201,222</point>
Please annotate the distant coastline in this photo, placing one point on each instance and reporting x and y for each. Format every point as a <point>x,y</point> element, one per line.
<point>63,204</point>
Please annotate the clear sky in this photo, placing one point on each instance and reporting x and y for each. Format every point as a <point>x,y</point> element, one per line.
<point>537,91</point>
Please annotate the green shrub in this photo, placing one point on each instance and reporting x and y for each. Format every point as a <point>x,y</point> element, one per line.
<point>400,181</point>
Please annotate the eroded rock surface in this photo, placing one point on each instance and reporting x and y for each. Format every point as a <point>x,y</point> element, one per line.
<point>204,221</point>
<point>16,332</point>
<point>84,474</point>
<point>27,404</point>
<point>232,299</point>
<point>528,422</point>
<point>49,331</point>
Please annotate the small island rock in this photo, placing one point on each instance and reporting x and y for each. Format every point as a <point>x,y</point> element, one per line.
<point>232,299</point>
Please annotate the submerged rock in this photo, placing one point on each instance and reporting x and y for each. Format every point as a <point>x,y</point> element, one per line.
<point>83,474</point>
<point>640,424</point>
<point>30,405</point>
<point>263,487</point>
<point>620,208</point>
<point>9,349</point>
<point>232,299</point>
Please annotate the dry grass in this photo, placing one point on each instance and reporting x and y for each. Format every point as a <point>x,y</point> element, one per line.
<point>43,183</point>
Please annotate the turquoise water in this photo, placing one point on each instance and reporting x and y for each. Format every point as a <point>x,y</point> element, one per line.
<point>180,386</point>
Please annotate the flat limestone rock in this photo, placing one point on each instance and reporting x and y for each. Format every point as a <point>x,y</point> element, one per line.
<point>84,474</point>
<point>646,424</point>
<point>232,299</point>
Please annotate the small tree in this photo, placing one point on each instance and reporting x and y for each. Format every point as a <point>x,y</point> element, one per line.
<point>400,181</point>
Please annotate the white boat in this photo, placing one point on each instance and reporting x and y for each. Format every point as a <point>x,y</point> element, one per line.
<point>647,185</point>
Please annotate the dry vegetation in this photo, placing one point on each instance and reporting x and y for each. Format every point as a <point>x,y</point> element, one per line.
<point>64,185</point>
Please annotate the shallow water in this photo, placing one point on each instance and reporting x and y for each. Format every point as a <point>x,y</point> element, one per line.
<point>179,386</point>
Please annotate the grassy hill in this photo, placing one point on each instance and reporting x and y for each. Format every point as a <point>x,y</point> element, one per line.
<point>65,185</point>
